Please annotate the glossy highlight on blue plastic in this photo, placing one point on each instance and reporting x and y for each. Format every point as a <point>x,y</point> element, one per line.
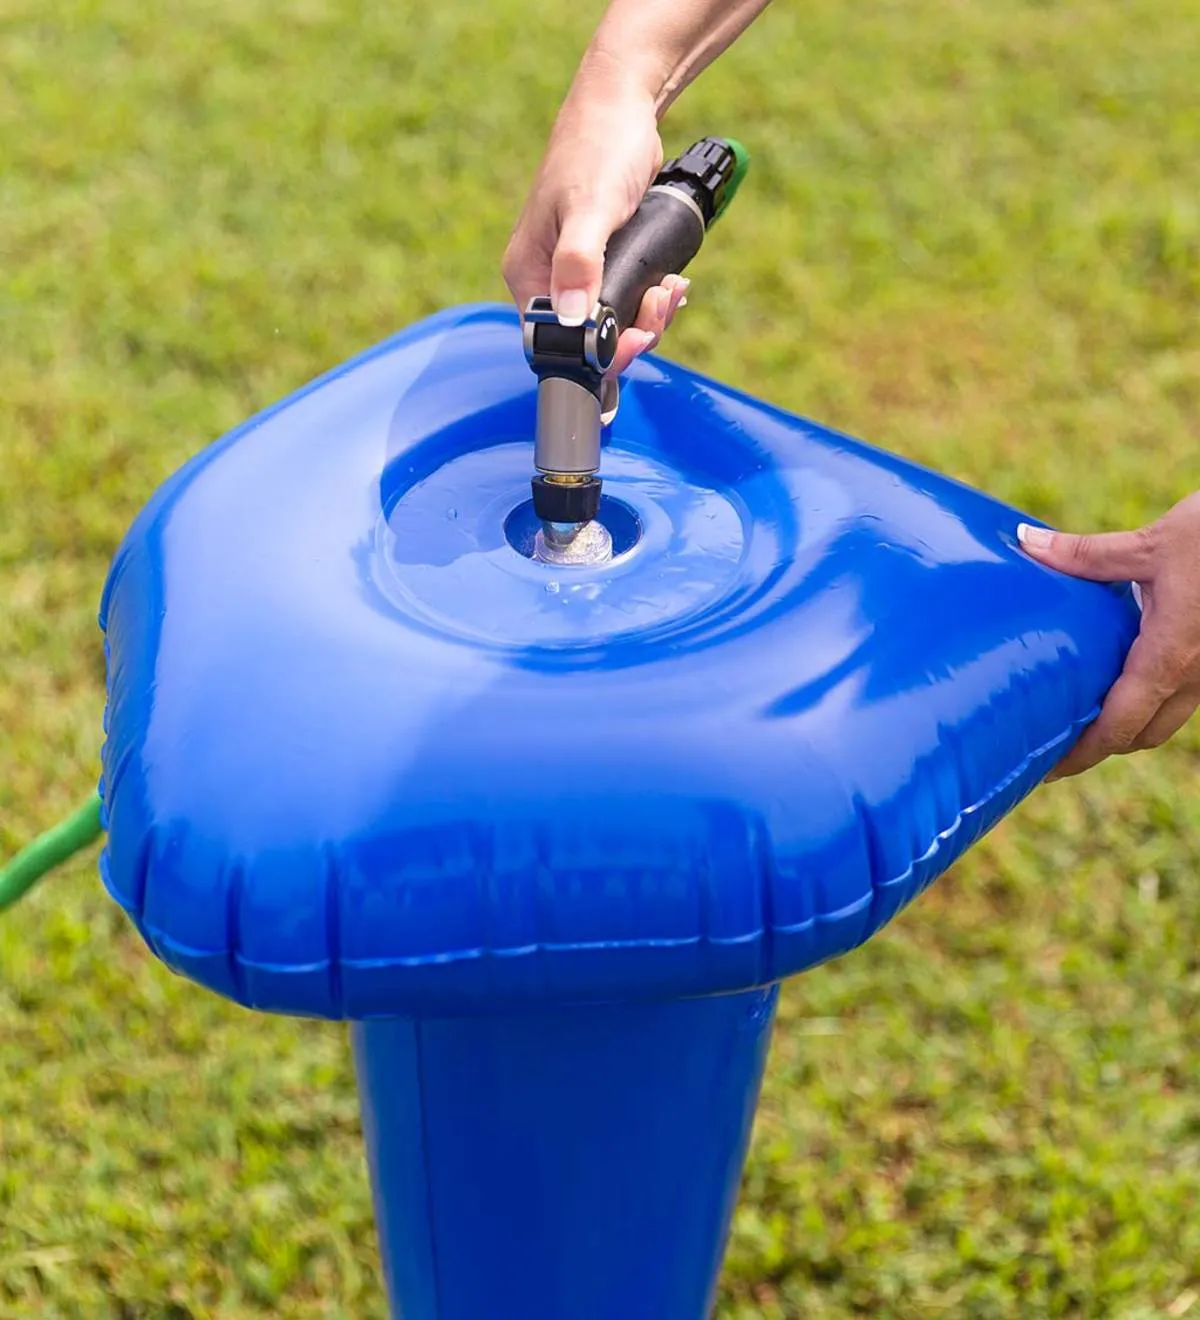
<point>365,758</point>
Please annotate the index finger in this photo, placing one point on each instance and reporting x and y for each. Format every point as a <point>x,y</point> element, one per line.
<point>525,271</point>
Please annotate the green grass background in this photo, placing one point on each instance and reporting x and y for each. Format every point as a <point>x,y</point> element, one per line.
<point>971,234</point>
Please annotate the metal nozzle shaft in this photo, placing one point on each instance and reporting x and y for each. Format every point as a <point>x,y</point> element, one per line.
<point>568,429</point>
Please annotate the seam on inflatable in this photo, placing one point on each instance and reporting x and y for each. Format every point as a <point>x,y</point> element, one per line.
<point>768,874</point>
<point>990,796</point>
<point>333,928</point>
<point>830,918</point>
<point>102,794</point>
<point>141,876</point>
<point>233,916</point>
<point>116,771</point>
<point>542,946</point>
<point>702,894</point>
<point>874,856</point>
<point>105,868</point>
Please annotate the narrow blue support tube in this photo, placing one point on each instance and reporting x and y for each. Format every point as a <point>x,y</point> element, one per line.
<point>579,1164</point>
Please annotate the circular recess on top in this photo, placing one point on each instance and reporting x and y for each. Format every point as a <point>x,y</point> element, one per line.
<point>454,555</point>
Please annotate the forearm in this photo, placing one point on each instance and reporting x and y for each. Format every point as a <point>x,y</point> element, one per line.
<point>656,47</point>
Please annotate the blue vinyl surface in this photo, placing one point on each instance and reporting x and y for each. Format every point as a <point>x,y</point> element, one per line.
<point>364,757</point>
<point>570,1164</point>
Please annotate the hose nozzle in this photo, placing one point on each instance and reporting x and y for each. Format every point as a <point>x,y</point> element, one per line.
<point>575,395</point>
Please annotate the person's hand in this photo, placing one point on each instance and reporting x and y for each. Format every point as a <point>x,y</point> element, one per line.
<point>603,154</point>
<point>1159,688</point>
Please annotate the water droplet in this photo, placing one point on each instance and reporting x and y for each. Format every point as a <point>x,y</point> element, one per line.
<point>451,513</point>
<point>552,588</point>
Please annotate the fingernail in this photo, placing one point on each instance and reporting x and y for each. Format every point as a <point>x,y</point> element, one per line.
<point>1036,538</point>
<point>571,306</point>
<point>664,304</point>
<point>648,340</point>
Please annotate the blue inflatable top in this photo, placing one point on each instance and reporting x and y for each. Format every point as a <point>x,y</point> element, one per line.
<point>365,756</point>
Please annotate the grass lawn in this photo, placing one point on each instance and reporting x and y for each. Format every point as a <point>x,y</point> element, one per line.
<point>971,234</point>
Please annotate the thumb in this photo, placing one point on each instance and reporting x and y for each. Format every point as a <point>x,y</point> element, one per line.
<point>577,268</point>
<point>1104,557</point>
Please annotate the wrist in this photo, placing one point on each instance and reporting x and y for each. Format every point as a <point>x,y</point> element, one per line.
<point>604,78</point>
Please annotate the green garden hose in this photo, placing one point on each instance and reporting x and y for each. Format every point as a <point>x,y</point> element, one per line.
<point>49,850</point>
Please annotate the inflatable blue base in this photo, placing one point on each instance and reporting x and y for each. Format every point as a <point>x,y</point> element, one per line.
<point>549,835</point>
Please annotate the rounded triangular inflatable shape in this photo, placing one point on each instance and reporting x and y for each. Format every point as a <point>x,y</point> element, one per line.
<point>365,757</point>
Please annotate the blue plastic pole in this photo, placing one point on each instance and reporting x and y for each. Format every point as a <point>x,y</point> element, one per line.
<point>581,1164</point>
